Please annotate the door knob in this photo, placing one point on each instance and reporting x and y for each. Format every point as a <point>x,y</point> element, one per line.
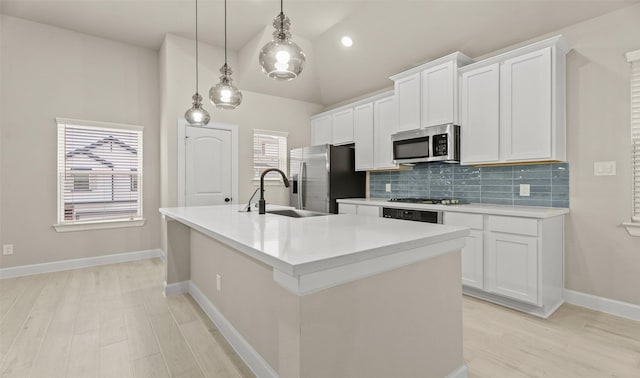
<point>227,199</point>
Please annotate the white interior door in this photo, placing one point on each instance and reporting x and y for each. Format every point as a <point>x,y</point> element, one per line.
<point>208,166</point>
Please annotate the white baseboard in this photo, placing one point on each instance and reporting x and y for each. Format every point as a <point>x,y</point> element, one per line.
<point>176,288</point>
<point>461,372</point>
<point>56,266</point>
<point>250,356</point>
<point>609,306</point>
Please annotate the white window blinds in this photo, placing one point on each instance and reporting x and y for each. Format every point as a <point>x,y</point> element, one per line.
<point>634,58</point>
<point>269,151</point>
<point>99,172</point>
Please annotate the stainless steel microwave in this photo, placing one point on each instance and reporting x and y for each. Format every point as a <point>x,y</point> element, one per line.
<point>433,143</point>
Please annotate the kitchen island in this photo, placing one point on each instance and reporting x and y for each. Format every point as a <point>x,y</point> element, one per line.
<point>325,296</point>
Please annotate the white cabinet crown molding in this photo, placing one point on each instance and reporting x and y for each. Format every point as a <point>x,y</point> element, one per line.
<point>460,57</point>
<point>353,104</point>
<point>557,41</point>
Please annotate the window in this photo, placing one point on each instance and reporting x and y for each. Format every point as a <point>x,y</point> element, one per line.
<point>634,59</point>
<point>269,151</point>
<point>99,174</point>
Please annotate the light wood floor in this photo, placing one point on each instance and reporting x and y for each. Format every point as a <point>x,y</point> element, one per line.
<point>113,321</point>
<point>108,321</point>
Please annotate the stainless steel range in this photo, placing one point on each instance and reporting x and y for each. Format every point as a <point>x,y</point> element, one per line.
<point>429,216</point>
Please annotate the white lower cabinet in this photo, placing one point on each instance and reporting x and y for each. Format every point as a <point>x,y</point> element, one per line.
<point>365,210</point>
<point>473,251</point>
<point>513,261</point>
<point>512,266</point>
<point>473,260</point>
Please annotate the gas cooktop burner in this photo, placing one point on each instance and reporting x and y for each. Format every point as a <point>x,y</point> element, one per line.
<point>439,201</point>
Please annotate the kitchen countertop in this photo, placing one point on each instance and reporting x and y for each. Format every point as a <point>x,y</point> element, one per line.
<point>507,210</point>
<point>301,246</point>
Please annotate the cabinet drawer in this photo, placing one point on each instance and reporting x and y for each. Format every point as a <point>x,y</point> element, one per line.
<point>371,211</point>
<point>347,208</point>
<point>514,225</point>
<point>474,221</point>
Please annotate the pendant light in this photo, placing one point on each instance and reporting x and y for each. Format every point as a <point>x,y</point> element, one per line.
<point>196,115</point>
<point>281,59</point>
<point>225,95</point>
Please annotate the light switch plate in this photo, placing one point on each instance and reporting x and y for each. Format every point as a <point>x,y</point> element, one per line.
<point>387,187</point>
<point>7,249</point>
<point>525,190</point>
<point>604,168</point>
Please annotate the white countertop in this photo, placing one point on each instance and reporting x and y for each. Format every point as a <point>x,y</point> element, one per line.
<point>514,211</point>
<point>300,246</point>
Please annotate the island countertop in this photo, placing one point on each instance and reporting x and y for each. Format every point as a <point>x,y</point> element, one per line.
<point>301,246</point>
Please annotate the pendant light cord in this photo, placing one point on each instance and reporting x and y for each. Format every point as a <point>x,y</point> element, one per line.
<point>281,16</point>
<point>225,33</point>
<point>196,46</point>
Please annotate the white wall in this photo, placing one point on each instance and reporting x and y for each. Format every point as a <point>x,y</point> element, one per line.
<point>257,111</point>
<point>49,72</point>
<point>601,258</point>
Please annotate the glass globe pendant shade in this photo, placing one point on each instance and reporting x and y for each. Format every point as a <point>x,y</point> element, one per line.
<point>225,95</point>
<point>282,59</point>
<point>196,115</point>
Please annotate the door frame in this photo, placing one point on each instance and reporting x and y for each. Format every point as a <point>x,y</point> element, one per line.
<point>182,161</point>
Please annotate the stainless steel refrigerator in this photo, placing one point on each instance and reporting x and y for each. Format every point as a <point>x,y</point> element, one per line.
<point>322,174</point>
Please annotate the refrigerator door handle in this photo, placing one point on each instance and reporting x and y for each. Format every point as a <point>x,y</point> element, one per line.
<point>300,185</point>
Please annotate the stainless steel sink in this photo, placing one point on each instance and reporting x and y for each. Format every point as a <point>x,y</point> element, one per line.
<point>297,213</point>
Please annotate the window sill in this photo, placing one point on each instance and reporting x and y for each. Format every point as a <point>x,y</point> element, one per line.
<point>98,225</point>
<point>633,228</point>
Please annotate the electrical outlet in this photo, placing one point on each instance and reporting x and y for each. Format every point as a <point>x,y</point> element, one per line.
<point>525,190</point>
<point>604,168</point>
<point>7,249</point>
<point>387,187</point>
<point>218,282</point>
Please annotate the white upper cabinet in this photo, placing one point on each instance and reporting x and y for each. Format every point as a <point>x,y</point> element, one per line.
<point>428,95</point>
<point>321,130</point>
<point>526,89</point>
<point>363,136</point>
<point>513,106</point>
<point>439,95</point>
<point>385,123</point>
<point>367,123</point>
<point>480,115</point>
<point>342,127</point>
<point>407,92</point>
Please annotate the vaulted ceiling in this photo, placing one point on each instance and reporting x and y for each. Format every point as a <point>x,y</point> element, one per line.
<point>389,35</point>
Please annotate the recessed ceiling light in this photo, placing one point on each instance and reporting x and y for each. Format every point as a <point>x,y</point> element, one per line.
<point>346,41</point>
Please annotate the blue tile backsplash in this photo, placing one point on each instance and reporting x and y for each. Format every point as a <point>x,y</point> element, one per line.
<point>496,185</point>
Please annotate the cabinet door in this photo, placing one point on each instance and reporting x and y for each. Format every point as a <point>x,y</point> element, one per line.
<point>525,123</point>
<point>473,251</point>
<point>342,127</point>
<point>368,211</point>
<point>347,208</point>
<point>384,124</point>
<point>407,92</point>
<point>473,260</point>
<point>438,95</point>
<point>363,136</point>
<point>512,266</point>
<point>321,130</point>
<point>480,115</point>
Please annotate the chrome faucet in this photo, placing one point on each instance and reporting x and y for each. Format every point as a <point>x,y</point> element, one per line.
<point>261,202</point>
